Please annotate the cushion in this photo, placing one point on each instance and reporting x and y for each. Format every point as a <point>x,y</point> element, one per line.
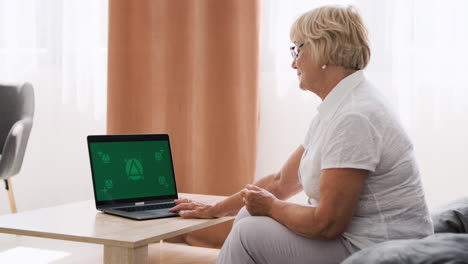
<point>452,217</point>
<point>439,248</point>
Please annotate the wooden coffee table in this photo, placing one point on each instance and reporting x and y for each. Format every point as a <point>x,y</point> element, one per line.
<point>125,240</point>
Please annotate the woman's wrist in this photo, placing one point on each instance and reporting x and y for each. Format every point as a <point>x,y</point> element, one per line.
<point>226,207</point>
<point>216,210</point>
<point>275,207</point>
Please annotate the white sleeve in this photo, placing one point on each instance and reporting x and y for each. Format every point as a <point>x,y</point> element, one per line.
<point>351,142</point>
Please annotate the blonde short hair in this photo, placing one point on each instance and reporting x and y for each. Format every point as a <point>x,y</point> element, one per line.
<point>337,36</point>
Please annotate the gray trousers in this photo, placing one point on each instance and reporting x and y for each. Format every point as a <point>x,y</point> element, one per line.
<point>260,239</point>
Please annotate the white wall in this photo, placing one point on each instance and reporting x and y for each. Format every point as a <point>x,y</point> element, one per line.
<point>61,48</point>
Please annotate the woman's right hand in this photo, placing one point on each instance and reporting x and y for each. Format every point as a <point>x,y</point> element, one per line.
<point>192,209</point>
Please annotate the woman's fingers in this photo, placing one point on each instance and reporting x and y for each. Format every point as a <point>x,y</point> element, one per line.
<point>175,208</point>
<point>199,212</point>
<point>189,214</point>
<point>253,187</point>
<point>191,209</point>
<point>182,200</point>
<point>184,206</point>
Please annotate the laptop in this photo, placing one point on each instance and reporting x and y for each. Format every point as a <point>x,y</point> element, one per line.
<point>133,175</point>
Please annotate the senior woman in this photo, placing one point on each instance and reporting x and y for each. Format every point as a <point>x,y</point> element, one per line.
<point>356,163</point>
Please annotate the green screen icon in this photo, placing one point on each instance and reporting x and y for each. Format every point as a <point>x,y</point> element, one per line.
<point>162,181</point>
<point>158,156</point>
<point>105,158</point>
<point>109,184</point>
<point>134,169</point>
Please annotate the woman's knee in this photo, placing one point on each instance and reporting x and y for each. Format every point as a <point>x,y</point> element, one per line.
<point>254,236</point>
<point>251,228</point>
<point>267,241</point>
<point>242,214</point>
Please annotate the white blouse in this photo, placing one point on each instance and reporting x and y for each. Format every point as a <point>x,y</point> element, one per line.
<point>355,128</point>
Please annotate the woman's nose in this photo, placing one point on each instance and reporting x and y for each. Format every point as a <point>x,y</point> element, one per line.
<point>293,65</point>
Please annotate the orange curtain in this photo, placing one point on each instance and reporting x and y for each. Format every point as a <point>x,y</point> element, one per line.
<point>189,68</point>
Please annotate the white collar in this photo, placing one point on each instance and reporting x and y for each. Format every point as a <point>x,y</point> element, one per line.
<point>329,106</point>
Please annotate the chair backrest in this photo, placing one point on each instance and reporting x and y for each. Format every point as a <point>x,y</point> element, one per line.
<point>16,118</point>
<point>9,111</point>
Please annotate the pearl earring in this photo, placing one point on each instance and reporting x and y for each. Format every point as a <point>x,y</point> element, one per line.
<point>324,67</point>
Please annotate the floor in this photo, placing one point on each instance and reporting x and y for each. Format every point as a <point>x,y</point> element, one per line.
<point>21,249</point>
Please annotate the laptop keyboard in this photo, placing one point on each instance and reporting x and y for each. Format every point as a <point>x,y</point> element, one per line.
<point>147,207</point>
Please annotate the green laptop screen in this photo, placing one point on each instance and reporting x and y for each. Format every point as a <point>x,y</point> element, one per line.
<point>136,169</point>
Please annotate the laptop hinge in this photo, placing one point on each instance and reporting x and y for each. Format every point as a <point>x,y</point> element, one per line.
<point>140,203</point>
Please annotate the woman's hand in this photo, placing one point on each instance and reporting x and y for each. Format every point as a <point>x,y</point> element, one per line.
<point>258,201</point>
<point>192,209</point>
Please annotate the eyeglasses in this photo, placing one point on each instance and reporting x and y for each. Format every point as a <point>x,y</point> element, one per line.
<point>295,51</point>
